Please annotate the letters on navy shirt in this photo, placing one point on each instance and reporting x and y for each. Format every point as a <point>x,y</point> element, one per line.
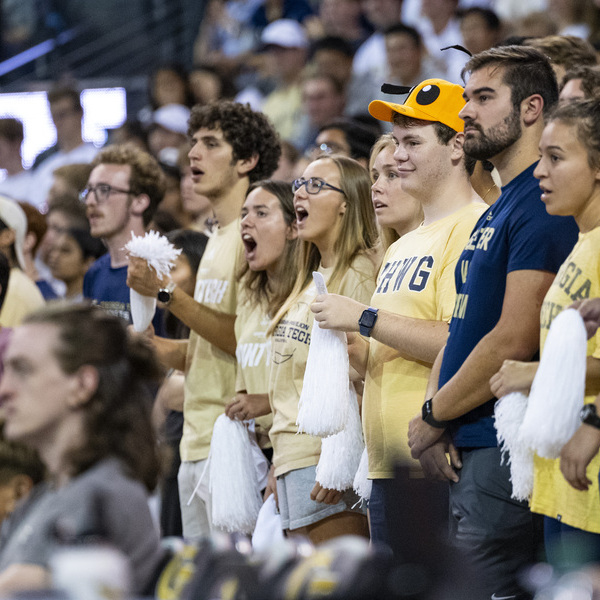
<point>515,233</point>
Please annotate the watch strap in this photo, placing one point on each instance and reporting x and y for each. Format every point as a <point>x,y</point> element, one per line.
<point>427,415</point>
<point>589,415</point>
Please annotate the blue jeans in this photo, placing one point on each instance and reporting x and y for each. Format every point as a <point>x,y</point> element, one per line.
<point>377,513</point>
<point>567,547</point>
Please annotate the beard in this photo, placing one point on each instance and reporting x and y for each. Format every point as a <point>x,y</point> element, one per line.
<point>486,145</point>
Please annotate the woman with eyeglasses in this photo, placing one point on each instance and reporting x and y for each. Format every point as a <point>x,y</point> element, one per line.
<point>338,238</point>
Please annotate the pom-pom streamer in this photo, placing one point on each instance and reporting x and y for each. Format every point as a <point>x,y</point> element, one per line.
<point>160,255</point>
<point>341,453</point>
<point>234,489</point>
<point>324,401</point>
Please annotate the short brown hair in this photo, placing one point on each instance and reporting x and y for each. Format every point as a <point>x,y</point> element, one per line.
<point>11,129</point>
<point>146,175</point>
<point>526,71</point>
<point>590,80</point>
<point>567,51</point>
<point>76,174</point>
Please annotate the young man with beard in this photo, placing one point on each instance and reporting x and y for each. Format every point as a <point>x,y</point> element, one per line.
<point>123,191</point>
<point>232,147</point>
<point>501,277</point>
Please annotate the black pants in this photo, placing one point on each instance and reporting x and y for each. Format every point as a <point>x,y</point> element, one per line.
<point>499,535</point>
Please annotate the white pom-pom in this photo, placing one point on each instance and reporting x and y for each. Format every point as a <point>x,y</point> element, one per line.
<point>161,255</point>
<point>154,248</point>
<point>341,453</point>
<point>362,484</point>
<point>558,389</point>
<point>234,489</point>
<point>508,416</point>
<point>324,401</point>
<point>142,310</point>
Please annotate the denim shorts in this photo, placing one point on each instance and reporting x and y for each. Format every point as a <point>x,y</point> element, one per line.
<point>298,510</point>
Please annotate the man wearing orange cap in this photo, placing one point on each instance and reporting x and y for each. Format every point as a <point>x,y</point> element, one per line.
<point>502,276</point>
<point>412,305</point>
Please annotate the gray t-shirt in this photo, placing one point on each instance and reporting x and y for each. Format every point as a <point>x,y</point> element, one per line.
<point>102,501</point>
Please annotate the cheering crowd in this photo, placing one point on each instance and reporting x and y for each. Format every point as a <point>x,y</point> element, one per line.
<point>449,246</point>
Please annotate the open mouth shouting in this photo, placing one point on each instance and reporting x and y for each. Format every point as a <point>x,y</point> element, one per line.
<point>301,215</point>
<point>249,246</point>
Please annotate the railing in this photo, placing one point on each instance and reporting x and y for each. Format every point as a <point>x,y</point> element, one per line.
<point>156,31</point>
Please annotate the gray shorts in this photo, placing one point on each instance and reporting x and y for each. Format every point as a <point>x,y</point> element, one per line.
<point>298,510</point>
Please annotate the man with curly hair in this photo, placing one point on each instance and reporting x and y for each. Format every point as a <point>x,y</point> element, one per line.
<point>232,146</point>
<point>123,190</point>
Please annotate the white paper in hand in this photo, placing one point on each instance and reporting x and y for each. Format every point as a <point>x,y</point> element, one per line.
<point>325,398</point>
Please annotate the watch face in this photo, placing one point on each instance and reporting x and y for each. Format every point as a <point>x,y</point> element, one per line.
<point>368,318</point>
<point>163,296</point>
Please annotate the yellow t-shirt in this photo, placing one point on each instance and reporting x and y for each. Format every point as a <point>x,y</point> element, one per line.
<point>289,352</point>
<point>284,109</point>
<point>22,297</point>
<point>210,372</point>
<point>577,279</point>
<point>417,281</point>
<point>253,363</point>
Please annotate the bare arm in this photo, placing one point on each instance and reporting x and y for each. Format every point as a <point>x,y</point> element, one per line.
<point>515,336</point>
<point>171,353</point>
<point>516,376</point>
<point>414,339</point>
<point>214,326</point>
<point>590,312</point>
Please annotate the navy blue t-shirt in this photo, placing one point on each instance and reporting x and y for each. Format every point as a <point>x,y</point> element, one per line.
<point>515,233</point>
<point>107,287</point>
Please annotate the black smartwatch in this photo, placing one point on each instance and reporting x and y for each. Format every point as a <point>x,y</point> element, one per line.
<point>367,321</point>
<point>589,415</point>
<point>165,295</point>
<point>427,415</point>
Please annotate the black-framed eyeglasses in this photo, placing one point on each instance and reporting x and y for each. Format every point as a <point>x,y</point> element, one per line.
<point>102,192</point>
<point>314,185</point>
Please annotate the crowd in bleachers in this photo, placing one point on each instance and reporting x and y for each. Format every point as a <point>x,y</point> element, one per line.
<point>437,164</point>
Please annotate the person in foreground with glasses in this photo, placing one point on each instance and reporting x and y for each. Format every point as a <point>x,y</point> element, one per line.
<point>124,188</point>
<point>338,237</point>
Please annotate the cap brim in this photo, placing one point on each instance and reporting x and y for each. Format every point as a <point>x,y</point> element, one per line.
<point>384,111</point>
